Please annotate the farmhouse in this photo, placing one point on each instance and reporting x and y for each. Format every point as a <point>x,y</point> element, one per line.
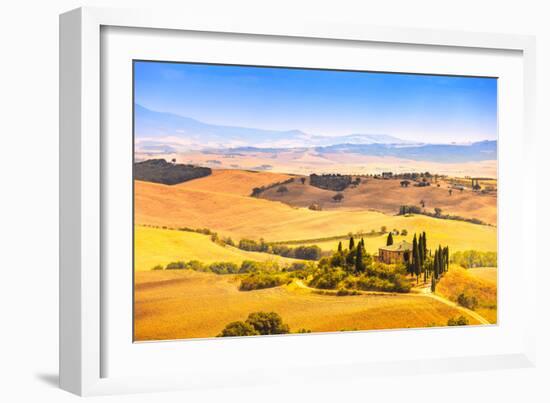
<point>397,253</point>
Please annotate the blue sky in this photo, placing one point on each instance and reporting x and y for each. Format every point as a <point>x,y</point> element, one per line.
<point>437,109</point>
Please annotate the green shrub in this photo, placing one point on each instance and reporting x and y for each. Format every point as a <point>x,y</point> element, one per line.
<point>158,267</point>
<point>474,258</point>
<point>460,321</point>
<point>327,278</point>
<point>223,268</point>
<point>196,265</point>
<point>342,292</point>
<point>311,252</point>
<point>258,281</point>
<point>467,301</point>
<point>175,265</point>
<point>267,323</point>
<point>238,329</point>
<point>249,266</point>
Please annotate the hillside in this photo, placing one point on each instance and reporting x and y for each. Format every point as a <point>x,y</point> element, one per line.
<point>240,216</point>
<point>388,195</point>
<point>155,246</point>
<point>236,182</point>
<point>177,304</point>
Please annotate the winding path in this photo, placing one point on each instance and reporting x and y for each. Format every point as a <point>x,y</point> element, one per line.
<point>424,292</point>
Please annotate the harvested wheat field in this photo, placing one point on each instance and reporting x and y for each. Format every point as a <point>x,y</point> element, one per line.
<point>179,304</point>
<point>238,182</point>
<point>247,217</point>
<point>155,246</point>
<point>388,195</point>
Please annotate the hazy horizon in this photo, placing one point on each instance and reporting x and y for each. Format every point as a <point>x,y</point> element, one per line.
<point>419,108</point>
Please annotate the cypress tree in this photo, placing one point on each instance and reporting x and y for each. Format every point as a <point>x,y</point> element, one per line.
<point>389,241</point>
<point>363,245</point>
<point>433,284</point>
<point>425,242</point>
<point>415,255</point>
<point>340,247</point>
<point>359,265</point>
<point>436,264</point>
<point>416,258</point>
<point>351,243</point>
<point>421,249</point>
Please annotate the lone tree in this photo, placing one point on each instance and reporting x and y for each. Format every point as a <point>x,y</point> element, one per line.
<point>422,203</point>
<point>282,189</point>
<point>267,323</point>
<point>303,180</point>
<point>437,211</point>
<point>338,197</point>
<point>450,192</point>
<point>389,241</point>
<point>238,329</point>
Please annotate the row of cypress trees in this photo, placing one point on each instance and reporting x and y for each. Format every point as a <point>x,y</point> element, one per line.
<point>422,263</point>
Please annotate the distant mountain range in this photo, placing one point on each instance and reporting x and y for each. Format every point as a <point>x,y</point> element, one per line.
<point>163,133</point>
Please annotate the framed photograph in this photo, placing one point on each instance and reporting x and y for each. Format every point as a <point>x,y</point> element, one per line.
<point>244,202</point>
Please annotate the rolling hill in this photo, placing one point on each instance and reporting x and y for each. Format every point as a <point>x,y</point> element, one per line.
<point>231,213</point>
<point>154,246</point>
<point>388,195</point>
<point>176,304</point>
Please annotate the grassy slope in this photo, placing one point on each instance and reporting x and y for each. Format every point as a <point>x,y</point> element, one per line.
<point>239,217</point>
<point>482,285</point>
<point>157,246</point>
<point>236,182</point>
<point>387,195</point>
<point>178,304</point>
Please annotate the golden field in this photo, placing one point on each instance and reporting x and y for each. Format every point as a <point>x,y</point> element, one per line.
<point>155,246</point>
<point>233,181</point>
<point>245,217</point>
<point>479,282</point>
<point>388,195</point>
<point>176,304</point>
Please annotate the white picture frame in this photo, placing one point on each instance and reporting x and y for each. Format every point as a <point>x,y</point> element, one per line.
<point>83,184</point>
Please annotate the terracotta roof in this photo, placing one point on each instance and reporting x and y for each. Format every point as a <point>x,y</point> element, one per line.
<point>402,246</point>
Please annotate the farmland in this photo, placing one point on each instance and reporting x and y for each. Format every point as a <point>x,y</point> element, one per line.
<point>240,216</point>
<point>387,195</point>
<point>184,304</point>
<point>155,246</point>
<point>172,304</point>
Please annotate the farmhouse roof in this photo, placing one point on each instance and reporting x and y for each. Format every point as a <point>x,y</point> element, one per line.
<point>402,246</point>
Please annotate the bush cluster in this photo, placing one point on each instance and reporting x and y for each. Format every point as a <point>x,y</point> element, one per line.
<point>257,323</point>
<point>247,266</point>
<point>258,281</point>
<point>460,321</point>
<point>475,258</point>
<point>305,252</point>
<point>404,210</point>
<point>467,301</point>
<point>257,191</point>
